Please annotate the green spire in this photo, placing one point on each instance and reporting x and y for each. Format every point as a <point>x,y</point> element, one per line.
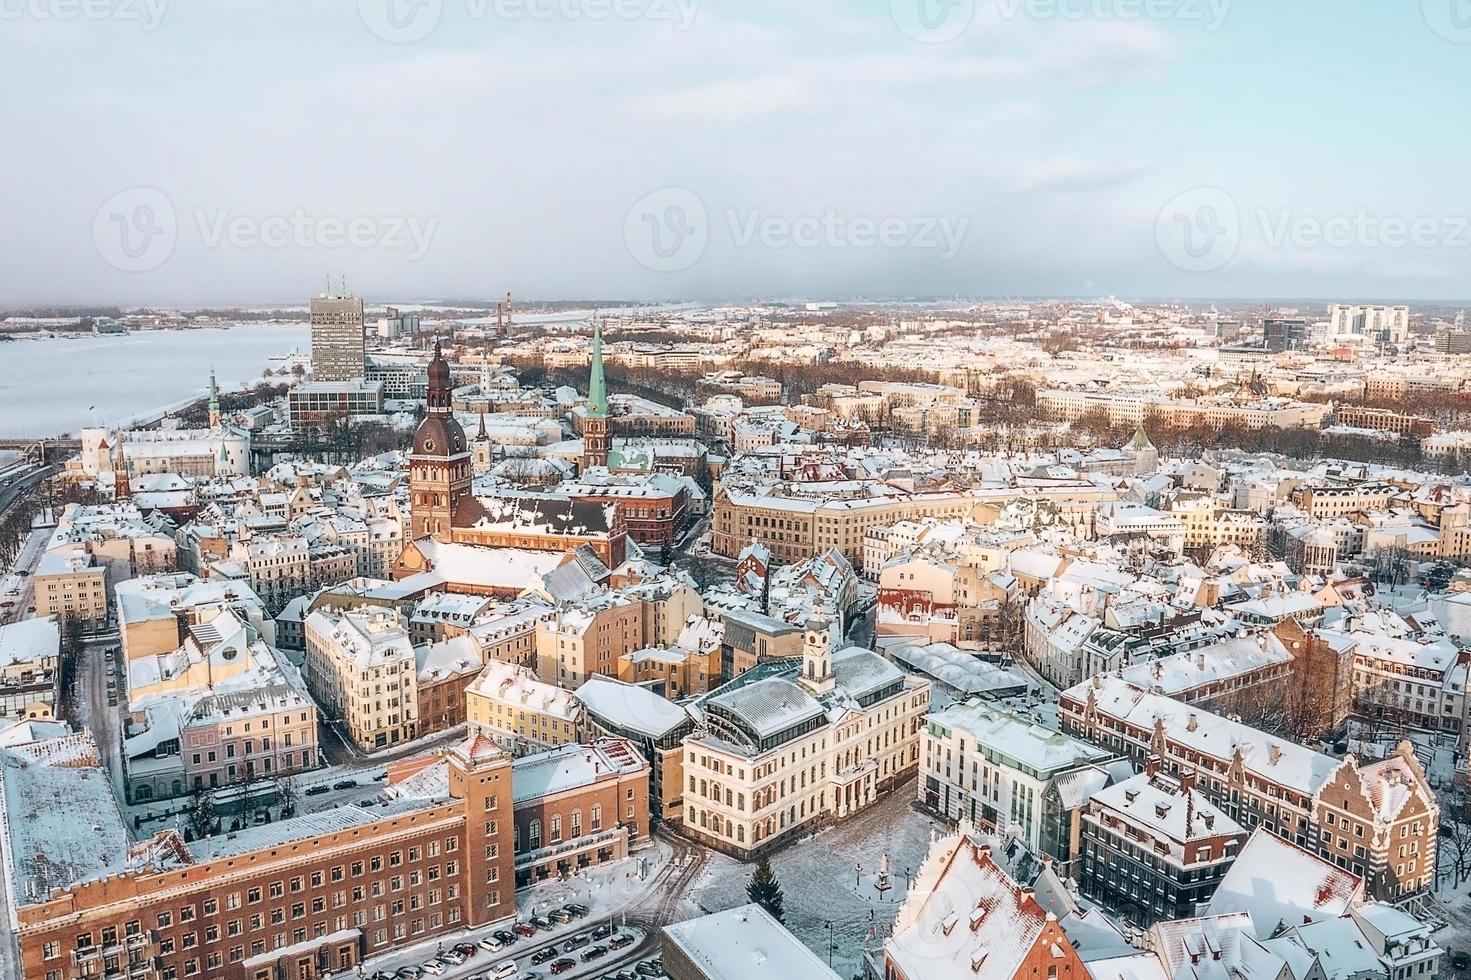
<point>597,387</point>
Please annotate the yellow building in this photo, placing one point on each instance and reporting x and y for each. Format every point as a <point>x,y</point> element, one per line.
<point>507,703</point>
<point>70,583</point>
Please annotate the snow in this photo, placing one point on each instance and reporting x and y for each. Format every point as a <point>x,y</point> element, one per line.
<point>28,641</point>
<point>1279,883</point>
<point>744,943</point>
<point>570,767</point>
<point>630,707</point>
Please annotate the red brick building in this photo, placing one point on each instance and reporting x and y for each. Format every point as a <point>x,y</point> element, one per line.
<point>298,898</point>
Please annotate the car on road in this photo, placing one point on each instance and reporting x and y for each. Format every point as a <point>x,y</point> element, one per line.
<point>502,970</point>
<point>563,965</point>
<point>594,952</point>
<point>542,955</point>
<point>524,929</point>
<point>578,911</point>
<point>318,789</point>
<point>345,784</point>
<point>577,942</point>
<point>620,940</point>
<point>602,930</point>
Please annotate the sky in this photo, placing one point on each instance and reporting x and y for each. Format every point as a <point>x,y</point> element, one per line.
<point>222,152</point>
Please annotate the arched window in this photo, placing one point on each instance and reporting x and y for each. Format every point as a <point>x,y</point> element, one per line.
<point>534,833</point>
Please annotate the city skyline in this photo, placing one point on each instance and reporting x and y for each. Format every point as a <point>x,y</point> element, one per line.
<point>1184,150</point>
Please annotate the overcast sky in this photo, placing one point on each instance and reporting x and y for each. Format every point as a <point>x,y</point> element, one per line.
<point>238,151</point>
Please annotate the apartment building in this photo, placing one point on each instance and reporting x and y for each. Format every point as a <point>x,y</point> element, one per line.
<point>1376,819</point>
<point>771,761</point>
<point>69,583</point>
<point>1154,848</point>
<point>586,639</point>
<point>305,898</point>
<point>1007,775</point>
<point>578,806</point>
<point>1326,502</point>
<point>155,612</point>
<point>520,713</point>
<point>29,651</point>
<point>654,725</point>
<point>361,667</point>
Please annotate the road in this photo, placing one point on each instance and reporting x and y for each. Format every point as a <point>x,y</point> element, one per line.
<point>18,588</point>
<point>88,707</point>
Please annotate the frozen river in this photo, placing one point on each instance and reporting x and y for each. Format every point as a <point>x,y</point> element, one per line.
<point>53,386</point>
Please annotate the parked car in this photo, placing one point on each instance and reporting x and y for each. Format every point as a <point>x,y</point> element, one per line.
<point>649,968</point>
<point>453,956</point>
<point>492,943</point>
<point>621,940</point>
<point>317,790</point>
<point>345,784</point>
<point>560,916</point>
<point>577,942</point>
<point>466,949</point>
<point>542,955</point>
<point>579,911</point>
<point>524,929</point>
<point>507,938</point>
<point>543,923</point>
<point>410,973</point>
<point>1460,959</point>
<point>563,965</point>
<point>502,970</point>
<point>433,966</point>
<point>593,952</point>
<point>602,930</point>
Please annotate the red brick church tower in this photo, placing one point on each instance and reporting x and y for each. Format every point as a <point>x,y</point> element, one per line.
<point>439,468</point>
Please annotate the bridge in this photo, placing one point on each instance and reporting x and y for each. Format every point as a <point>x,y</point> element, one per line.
<point>44,448</point>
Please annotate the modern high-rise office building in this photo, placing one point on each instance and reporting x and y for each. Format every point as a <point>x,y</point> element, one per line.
<point>337,337</point>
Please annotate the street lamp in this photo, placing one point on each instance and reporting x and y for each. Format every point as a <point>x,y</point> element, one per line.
<point>829,943</point>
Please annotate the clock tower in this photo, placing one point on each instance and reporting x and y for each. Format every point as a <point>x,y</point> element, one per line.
<point>440,468</point>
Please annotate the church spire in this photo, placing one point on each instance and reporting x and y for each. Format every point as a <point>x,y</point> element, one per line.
<point>214,401</point>
<point>597,386</point>
<point>122,487</point>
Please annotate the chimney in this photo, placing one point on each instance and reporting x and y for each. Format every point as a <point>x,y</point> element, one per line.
<point>1187,781</point>
<point>1151,765</point>
<point>1193,722</point>
<point>1274,753</point>
<point>1028,894</point>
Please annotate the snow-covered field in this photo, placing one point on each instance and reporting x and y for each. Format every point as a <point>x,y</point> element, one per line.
<point>829,879</point>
